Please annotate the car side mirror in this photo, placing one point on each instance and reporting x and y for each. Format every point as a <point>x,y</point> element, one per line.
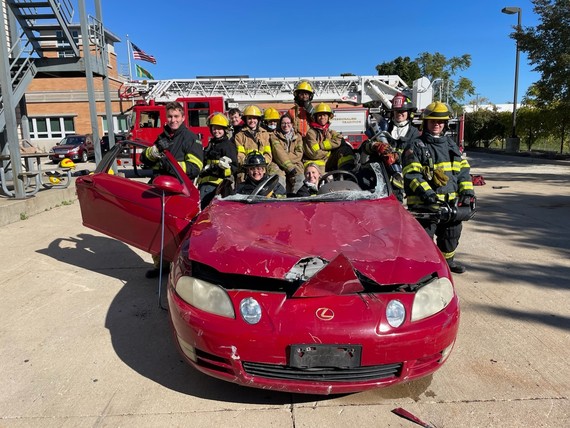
<point>168,184</point>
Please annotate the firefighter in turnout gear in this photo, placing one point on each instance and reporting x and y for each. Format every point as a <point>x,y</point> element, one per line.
<point>179,141</point>
<point>325,147</point>
<point>255,167</point>
<point>220,158</point>
<point>252,137</point>
<point>434,172</point>
<point>303,110</point>
<point>388,141</point>
<point>186,149</point>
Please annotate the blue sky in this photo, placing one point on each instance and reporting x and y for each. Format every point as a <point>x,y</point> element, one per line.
<point>192,38</point>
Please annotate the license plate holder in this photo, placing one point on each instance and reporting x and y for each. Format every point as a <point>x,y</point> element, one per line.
<point>308,356</point>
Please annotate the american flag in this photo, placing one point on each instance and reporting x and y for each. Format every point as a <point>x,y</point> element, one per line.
<point>138,53</point>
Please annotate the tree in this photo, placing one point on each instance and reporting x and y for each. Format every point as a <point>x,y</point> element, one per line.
<point>434,66</point>
<point>404,67</point>
<point>548,48</point>
<point>437,66</point>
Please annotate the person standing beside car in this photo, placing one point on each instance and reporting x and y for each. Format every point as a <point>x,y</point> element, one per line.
<point>434,173</point>
<point>287,149</point>
<point>186,149</point>
<point>181,142</point>
<point>303,110</point>
<point>220,158</point>
<point>326,147</point>
<point>388,146</point>
<point>252,137</point>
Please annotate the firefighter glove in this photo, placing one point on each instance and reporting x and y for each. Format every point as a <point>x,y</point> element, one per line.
<point>152,153</point>
<point>162,144</point>
<point>430,198</point>
<point>225,162</point>
<point>390,158</point>
<point>383,148</point>
<point>440,178</point>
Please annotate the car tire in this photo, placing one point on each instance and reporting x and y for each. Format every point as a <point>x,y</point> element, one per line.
<point>84,157</point>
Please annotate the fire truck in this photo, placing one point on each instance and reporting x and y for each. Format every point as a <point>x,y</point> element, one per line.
<point>203,96</point>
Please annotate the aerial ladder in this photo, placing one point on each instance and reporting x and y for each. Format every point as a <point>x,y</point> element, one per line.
<point>356,90</point>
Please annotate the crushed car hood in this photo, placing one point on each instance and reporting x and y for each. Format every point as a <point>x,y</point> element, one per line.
<point>377,237</point>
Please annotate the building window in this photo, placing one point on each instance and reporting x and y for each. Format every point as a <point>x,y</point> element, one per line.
<point>119,124</point>
<point>61,42</point>
<point>51,127</point>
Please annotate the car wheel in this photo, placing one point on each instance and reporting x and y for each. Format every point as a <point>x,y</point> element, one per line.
<point>84,157</point>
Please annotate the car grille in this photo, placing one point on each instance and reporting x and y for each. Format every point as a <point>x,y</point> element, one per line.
<point>363,373</point>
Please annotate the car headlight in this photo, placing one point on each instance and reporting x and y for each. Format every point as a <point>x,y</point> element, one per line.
<point>250,310</point>
<point>205,296</point>
<point>74,150</point>
<point>395,313</point>
<point>432,298</point>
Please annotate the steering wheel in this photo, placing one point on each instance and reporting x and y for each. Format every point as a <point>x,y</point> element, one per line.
<point>337,175</point>
<point>266,186</point>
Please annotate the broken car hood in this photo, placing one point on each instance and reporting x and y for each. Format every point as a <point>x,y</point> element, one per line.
<point>378,237</point>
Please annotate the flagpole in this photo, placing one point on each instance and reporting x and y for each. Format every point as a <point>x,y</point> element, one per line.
<point>129,56</point>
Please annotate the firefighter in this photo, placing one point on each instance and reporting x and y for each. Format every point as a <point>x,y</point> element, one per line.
<point>186,149</point>
<point>255,166</point>
<point>435,172</point>
<point>287,149</point>
<point>179,141</point>
<point>270,119</point>
<point>220,158</point>
<point>303,110</point>
<point>325,147</point>
<point>252,137</point>
<point>387,146</point>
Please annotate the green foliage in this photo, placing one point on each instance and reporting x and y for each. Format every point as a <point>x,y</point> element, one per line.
<point>404,67</point>
<point>482,127</point>
<point>451,88</point>
<point>548,49</point>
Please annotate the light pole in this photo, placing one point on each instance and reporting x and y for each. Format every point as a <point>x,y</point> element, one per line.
<point>514,140</point>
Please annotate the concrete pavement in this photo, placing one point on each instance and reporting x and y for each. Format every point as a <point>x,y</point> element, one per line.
<point>84,342</point>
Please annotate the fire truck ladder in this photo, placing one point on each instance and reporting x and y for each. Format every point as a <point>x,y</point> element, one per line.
<point>348,89</point>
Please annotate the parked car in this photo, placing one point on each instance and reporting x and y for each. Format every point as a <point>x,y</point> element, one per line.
<point>74,147</point>
<point>336,293</point>
<point>104,141</point>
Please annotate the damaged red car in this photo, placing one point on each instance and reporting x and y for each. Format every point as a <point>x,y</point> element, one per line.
<point>335,293</point>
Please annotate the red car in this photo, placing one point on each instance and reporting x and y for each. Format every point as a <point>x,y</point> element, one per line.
<point>74,147</point>
<point>336,293</point>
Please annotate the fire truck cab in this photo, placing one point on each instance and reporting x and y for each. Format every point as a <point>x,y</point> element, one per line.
<point>147,120</point>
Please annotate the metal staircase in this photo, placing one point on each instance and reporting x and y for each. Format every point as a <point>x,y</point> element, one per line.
<point>42,32</point>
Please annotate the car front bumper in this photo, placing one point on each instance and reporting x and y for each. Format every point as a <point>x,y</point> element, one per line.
<point>260,356</point>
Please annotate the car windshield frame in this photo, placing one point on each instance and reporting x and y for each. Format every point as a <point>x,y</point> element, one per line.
<point>379,191</point>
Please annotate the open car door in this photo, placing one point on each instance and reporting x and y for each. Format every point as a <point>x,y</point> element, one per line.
<point>131,210</point>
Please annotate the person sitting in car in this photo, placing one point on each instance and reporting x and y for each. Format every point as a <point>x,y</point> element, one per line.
<point>311,182</point>
<point>255,167</point>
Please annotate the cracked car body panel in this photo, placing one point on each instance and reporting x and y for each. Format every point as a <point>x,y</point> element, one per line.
<point>378,237</point>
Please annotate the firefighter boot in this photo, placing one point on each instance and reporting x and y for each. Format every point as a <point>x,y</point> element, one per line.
<point>455,267</point>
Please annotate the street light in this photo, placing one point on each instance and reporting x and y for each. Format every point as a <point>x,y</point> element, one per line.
<point>514,139</point>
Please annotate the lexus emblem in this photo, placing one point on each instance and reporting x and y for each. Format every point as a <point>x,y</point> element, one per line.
<point>324,314</point>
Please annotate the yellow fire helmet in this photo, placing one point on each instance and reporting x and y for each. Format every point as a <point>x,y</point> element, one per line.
<point>271,114</point>
<point>67,163</point>
<point>252,110</point>
<point>324,108</point>
<point>437,110</point>
<point>219,119</point>
<point>304,86</point>
<point>54,180</point>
